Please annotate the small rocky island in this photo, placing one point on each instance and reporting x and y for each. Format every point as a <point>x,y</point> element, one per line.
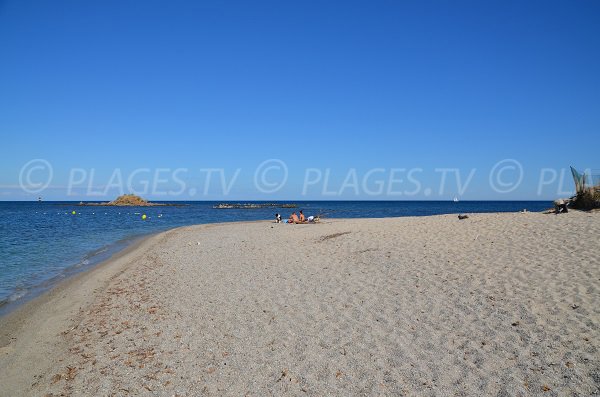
<point>128,200</point>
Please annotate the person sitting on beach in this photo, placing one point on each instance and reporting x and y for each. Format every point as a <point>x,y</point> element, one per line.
<point>560,206</point>
<point>302,218</point>
<point>293,218</point>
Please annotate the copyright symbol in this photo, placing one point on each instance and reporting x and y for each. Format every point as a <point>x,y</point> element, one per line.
<point>506,176</point>
<point>35,175</point>
<point>279,176</point>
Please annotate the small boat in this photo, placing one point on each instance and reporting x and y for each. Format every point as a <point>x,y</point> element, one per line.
<point>455,199</point>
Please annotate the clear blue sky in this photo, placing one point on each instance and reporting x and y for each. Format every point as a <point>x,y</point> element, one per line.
<point>340,85</point>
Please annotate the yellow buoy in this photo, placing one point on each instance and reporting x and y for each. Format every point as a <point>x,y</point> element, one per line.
<point>73,212</point>
<point>144,216</point>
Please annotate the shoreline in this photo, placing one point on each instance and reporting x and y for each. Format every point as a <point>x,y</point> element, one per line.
<point>96,257</point>
<point>57,307</point>
<point>9,306</point>
<point>71,274</point>
<point>65,286</point>
<point>37,340</point>
<point>74,270</point>
<point>60,304</point>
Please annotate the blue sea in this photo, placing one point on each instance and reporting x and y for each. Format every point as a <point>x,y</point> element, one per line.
<point>41,243</point>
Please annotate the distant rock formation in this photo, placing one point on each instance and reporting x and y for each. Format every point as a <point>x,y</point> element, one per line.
<point>247,206</point>
<point>128,200</point>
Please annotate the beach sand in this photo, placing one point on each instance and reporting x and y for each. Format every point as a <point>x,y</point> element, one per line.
<point>494,305</point>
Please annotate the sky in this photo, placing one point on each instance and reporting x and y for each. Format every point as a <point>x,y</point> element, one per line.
<point>398,100</point>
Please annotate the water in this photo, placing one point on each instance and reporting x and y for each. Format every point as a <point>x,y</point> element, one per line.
<point>42,243</point>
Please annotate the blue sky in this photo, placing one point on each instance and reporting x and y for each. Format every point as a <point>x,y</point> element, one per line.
<point>338,86</point>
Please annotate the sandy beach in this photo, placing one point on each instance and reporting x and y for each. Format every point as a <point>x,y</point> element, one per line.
<point>494,305</point>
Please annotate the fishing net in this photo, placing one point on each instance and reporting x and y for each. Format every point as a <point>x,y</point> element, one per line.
<point>586,180</point>
<point>587,185</point>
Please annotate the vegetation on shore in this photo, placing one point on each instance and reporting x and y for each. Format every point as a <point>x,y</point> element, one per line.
<point>588,199</point>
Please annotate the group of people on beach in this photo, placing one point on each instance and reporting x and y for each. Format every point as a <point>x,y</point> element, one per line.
<point>295,219</point>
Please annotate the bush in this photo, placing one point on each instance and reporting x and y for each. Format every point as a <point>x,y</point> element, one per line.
<point>587,200</point>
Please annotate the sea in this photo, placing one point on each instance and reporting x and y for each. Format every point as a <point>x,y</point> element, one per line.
<point>42,243</point>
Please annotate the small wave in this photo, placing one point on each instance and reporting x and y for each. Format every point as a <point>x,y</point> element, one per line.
<point>84,262</point>
<point>94,253</point>
<point>17,295</point>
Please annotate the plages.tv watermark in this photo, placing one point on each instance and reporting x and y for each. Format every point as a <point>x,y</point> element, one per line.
<point>273,175</point>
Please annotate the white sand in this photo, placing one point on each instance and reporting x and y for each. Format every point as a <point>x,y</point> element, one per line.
<point>495,305</point>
